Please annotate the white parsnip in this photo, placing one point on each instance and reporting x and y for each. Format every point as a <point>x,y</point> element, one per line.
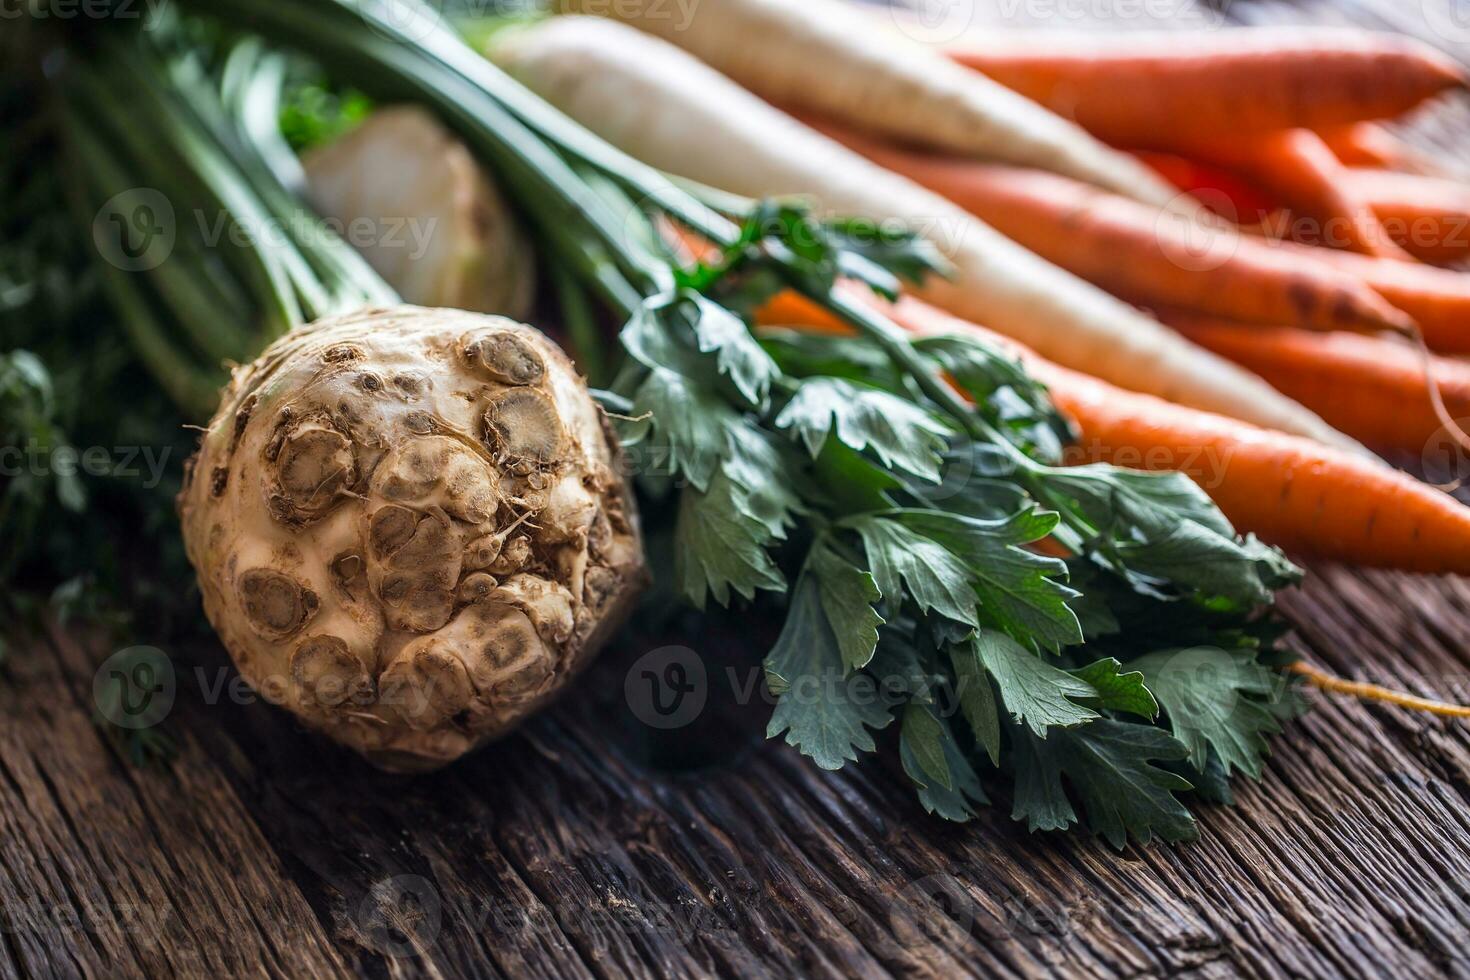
<point>828,57</point>
<point>665,107</point>
<point>425,215</point>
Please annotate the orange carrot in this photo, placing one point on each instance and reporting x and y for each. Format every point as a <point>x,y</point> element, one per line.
<point>1437,299</point>
<point>1127,89</point>
<point>1293,492</point>
<point>1297,167</point>
<point>1220,190</point>
<point>1373,389</point>
<point>1140,254</point>
<point>1367,144</point>
<point>1429,217</point>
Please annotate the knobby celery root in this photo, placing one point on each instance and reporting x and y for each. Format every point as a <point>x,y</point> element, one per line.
<point>409,525</point>
<point>443,234</point>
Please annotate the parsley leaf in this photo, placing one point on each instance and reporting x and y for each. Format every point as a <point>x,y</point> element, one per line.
<point>925,737</point>
<point>824,711</point>
<point>679,331</point>
<point>755,465</point>
<point>1220,700</point>
<point>1111,767</point>
<point>899,433</point>
<point>977,699</point>
<point>720,547</point>
<point>1017,588</point>
<point>1119,691</point>
<point>936,579</point>
<point>851,483</point>
<point>898,251</point>
<point>687,416</point>
<point>946,782</point>
<point>803,355</point>
<point>737,353</point>
<point>847,594</point>
<point>1032,690</point>
<point>1161,529</point>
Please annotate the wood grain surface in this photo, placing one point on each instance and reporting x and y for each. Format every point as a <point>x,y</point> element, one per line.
<point>594,844</point>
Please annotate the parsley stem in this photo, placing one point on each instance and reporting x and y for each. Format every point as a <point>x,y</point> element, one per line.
<point>896,344</point>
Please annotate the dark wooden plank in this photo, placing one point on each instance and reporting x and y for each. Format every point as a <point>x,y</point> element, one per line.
<point>565,852</point>
<point>106,870</point>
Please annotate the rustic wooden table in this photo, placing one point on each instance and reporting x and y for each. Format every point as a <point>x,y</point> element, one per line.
<point>594,845</point>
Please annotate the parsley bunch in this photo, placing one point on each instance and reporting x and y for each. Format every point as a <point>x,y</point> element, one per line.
<point>907,528</point>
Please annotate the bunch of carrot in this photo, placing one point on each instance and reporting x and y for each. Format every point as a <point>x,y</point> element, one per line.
<point>867,123</point>
<point>1302,110</point>
<point>1290,110</point>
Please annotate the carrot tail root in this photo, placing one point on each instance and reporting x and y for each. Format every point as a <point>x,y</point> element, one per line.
<point>1324,681</point>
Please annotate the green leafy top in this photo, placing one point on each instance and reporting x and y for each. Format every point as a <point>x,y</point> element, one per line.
<point>906,528</point>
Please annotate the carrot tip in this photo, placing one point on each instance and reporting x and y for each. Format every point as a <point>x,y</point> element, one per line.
<point>1324,681</point>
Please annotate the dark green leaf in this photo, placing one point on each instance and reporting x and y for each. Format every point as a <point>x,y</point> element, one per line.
<point>847,593</point>
<point>758,468</point>
<point>899,558</point>
<point>1018,588</point>
<point>850,482</point>
<point>977,699</point>
<point>737,354</point>
<point>900,433</point>
<point>1032,690</point>
<point>925,738</point>
<point>803,354</point>
<point>689,418</point>
<point>680,331</point>
<point>902,253</point>
<point>719,548</point>
<point>1039,797</point>
<point>824,710</point>
<point>1117,690</point>
<point>952,798</point>
<point>1220,700</point>
<point>1111,766</point>
<point>1163,527</point>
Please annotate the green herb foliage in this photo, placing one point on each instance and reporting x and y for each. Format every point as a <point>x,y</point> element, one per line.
<point>917,596</point>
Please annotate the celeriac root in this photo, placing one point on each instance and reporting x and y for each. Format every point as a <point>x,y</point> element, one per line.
<point>409,528</point>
